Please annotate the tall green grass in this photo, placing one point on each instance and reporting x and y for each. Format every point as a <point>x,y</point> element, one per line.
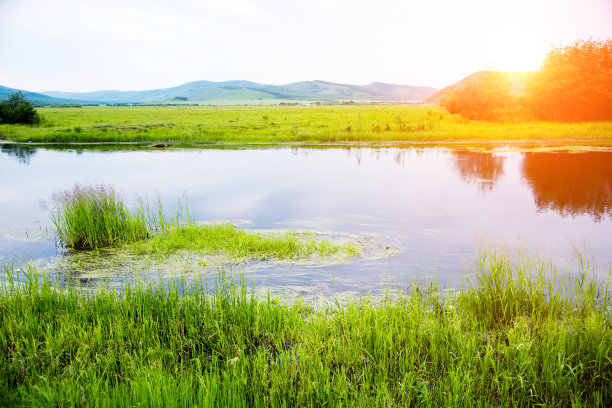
<point>88,217</point>
<point>498,343</point>
<point>505,291</point>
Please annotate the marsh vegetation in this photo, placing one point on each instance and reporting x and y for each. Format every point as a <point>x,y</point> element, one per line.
<point>88,217</point>
<point>91,217</point>
<point>521,335</point>
<point>518,333</point>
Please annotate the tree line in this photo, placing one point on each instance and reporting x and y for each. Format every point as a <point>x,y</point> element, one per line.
<point>574,83</point>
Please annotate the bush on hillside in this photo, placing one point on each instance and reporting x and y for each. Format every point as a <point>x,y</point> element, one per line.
<point>574,83</point>
<point>17,109</point>
<point>485,97</point>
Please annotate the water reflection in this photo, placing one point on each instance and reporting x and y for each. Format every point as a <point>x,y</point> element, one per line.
<point>481,168</point>
<point>24,152</point>
<point>570,183</point>
<point>424,201</point>
<point>20,152</point>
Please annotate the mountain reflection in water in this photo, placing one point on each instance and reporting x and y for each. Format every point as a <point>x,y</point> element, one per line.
<point>570,183</point>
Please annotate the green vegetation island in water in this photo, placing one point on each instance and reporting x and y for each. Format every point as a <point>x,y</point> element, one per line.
<point>91,217</point>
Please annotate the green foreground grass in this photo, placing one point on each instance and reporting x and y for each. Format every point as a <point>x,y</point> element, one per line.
<point>302,124</point>
<point>518,337</point>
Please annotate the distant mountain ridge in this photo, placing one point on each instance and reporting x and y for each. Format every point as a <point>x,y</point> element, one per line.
<point>38,98</point>
<point>203,91</point>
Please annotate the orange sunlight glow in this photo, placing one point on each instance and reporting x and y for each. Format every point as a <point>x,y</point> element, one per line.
<point>518,50</point>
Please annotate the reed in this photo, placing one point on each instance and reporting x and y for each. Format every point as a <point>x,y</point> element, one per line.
<point>216,344</point>
<point>88,217</point>
<point>505,290</point>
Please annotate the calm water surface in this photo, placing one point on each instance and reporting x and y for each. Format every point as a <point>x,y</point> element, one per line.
<point>421,213</point>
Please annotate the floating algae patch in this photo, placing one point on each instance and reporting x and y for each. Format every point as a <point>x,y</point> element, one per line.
<point>319,294</point>
<point>131,262</point>
<point>90,267</point>
<point>226,238</point>
<point>121,264</point>
<point>377,246</point>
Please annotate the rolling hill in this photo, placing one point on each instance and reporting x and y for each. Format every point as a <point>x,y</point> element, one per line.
<point>518,84</point>
<point>207,91</point>
<point>152,95</point>
<point>40,99</point>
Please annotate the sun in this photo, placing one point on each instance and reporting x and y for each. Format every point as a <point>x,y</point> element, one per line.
<point>516,50</point>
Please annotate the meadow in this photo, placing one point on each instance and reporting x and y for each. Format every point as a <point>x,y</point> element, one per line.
<point>519,335</point>
<point>284,124</point>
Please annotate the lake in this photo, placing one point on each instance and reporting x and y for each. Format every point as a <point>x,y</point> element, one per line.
<point>420,213</point>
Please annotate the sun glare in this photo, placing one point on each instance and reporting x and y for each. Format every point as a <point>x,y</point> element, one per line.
<point>517,51</point>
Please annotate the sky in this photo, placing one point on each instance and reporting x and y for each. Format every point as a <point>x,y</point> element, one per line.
<point>85,45</point>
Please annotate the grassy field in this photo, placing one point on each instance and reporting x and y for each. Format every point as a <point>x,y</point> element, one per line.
<point>519,336</point>
<point>281,124</point>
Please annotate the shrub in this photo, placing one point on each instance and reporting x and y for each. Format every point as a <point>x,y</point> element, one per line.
<point>17,109</point>
<point>486,96</point>
<point>574,83</point>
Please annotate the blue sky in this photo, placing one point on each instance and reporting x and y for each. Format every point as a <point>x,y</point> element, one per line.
<point>86,45</point>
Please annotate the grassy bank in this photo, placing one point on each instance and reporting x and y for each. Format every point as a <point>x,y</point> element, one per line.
<point>519,337</point>
<point>312,124</point>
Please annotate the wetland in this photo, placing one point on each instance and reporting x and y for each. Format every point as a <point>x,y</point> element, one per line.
<point>417,213</point>
<point>425,274</point>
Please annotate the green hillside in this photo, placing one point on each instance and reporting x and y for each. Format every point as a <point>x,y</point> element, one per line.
<point>231,93</point>
<point>153,95</point>
<point>517,80</point>
<point>207,91</point>
<point>39,99</point>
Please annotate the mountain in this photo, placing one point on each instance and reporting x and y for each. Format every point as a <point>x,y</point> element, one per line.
<point>152,95</point>
<point>329,91</point>
<point>37,98</point>
<point>202,91</point>
<point>518,84</point>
